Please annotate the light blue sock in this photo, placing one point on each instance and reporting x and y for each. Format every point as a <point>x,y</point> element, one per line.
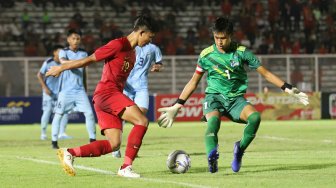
<point>64,123</point>
<point>55,126</point>
<point>90,124</point>
<point>45,120</point>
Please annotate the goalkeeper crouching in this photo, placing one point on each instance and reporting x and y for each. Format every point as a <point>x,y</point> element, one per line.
<point>224,96</point>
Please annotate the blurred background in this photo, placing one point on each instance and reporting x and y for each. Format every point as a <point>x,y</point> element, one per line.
<point>295,39</point>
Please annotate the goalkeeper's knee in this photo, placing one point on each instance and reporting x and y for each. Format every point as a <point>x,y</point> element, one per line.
<point>253,121</point>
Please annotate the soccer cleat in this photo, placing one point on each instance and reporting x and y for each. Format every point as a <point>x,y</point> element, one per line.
<point>116,154</point>
<point>66,160</point>
<point>128,172</point>
<point>212,161</point>
<point>43,137</point>
<point>237,157</point>
<point>54,145</point>
<point>64,136</point>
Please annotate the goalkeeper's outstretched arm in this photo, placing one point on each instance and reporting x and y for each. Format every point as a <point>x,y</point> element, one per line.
<point>191,86</point>
<point>288,88</point>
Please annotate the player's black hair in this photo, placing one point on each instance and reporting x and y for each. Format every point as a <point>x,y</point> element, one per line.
<point>74,31</point>
<point>56,47</point>
<point>145,22</point>
<point>223,24</point>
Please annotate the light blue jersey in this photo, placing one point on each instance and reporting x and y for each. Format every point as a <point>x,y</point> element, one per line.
<point>73,76</point>
<point>51,82</point>
<point>72,95</point>
<point>145,56</point>
<point>136,87</point>
<point>49,101</point>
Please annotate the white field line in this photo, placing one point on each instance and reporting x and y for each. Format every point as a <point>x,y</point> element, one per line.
<point>291,139</point>
<point>113,174</point>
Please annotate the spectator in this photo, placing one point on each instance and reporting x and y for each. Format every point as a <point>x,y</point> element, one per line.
<point>191,36</point>
<point>45,20</point>
<point>89,42</point>
<point>78,18</point>
<point>322,49</point>
<point>296,48</point>
<point>25,19</point>
<point>295,13</point>
<point>30,49</point>
<point>226,7</point>
<point>285,15</point>
<point>97,21</point>
<point>296,75</point>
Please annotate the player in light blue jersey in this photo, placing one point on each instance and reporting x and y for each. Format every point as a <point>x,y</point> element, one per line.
<point>136,87</point>
<point>50,87</point>
<point>72,95</point>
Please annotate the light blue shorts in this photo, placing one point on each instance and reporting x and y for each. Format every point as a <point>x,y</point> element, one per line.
<point>140,97</point>
<point>76,101</point>
<point>48,102</point>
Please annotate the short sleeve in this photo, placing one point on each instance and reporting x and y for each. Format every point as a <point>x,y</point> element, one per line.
<point>251,60</point>
<point>109,50</point>
<point>199,67</point>
<point>158,55</point>
<point>62,54</point>
<point>44,68</point>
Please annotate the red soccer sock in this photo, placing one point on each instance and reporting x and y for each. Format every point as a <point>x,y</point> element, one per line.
<point>94,149</point>
<point>133,144</point>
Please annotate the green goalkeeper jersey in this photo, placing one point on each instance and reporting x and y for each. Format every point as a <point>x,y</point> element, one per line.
<point>226,71</point>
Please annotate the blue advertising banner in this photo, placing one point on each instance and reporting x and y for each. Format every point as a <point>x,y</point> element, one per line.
<point>27,110</point>
<point>20,110</point>
<point>151,111</point>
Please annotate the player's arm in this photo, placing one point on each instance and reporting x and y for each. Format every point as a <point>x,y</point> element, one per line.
<point>270,77</point>
<point>157,67</point>
<point>71,64</point>
<point>191,86</point>
<point>44,86</point>
<point>168,114</point>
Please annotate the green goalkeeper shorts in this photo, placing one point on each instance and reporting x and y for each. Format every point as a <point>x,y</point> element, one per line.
<point>230,108</point>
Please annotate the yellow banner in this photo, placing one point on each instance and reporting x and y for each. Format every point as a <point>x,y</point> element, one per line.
<point>281,106</point>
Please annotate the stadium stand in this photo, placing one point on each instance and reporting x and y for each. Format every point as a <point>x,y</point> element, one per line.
<point>262,25</point>
<point>187,23</point>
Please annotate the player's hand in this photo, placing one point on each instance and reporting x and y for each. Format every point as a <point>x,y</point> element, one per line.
<point>54,71</point>
<point>168,115</point>
<point>156,68</point>
<point>302,97</point>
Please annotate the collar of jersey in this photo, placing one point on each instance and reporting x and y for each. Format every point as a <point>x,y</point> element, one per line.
<point>216,49</point>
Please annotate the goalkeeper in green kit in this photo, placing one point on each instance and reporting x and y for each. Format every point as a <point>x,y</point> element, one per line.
<point>224,96</point>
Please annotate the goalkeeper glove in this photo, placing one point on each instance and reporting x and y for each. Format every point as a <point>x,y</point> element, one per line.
<point>295,92</point>
<point>168,115</point>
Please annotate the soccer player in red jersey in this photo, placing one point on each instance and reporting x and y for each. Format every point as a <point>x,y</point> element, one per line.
<point>111,105</point>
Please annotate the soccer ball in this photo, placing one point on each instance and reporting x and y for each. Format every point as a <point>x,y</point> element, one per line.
<point>178,162</point>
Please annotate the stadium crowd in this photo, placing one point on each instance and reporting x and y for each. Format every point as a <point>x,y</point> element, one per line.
<point>267,27</point>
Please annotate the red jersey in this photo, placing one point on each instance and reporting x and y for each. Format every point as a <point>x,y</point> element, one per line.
<point>119,59</point>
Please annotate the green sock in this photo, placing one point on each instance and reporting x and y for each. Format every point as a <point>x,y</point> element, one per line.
<point>250,130</point>
<point>210,137</point>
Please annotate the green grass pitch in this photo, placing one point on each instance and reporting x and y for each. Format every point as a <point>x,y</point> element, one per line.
<point>284,154</point>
